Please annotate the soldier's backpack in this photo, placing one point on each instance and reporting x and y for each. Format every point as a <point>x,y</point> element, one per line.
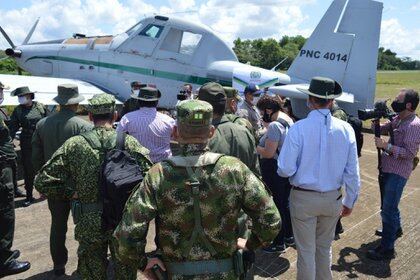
<point>120,174</point>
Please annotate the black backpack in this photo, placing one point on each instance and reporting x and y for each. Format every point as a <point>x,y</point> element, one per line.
<point>357,125</point>
<point>120,174</point>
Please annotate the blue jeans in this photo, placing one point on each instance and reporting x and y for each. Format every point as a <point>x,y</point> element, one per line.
<point>391,221</point>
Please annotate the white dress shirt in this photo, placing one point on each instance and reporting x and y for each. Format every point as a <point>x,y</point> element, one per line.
<point>320,154</point>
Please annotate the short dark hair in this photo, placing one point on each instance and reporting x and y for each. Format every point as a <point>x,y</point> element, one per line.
<point>218,107</point>
<point>148,104</point>
<point>411,96</point>
<point>269,102</point>
<point>103,117</point>
<point>320,101</point>
<point>188,85</point>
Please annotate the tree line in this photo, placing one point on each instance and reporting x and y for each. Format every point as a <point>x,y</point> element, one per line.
<point>267,53</point>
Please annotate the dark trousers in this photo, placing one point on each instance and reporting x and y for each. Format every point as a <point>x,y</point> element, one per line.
<point>60,210</point>
<point>280,188</point>
<point>28,170</point>
<point>7,214</point>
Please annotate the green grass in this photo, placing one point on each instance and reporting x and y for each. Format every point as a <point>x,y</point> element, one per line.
<point>389,83</point>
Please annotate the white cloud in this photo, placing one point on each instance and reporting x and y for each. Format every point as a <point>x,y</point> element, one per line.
<point>401,40</point>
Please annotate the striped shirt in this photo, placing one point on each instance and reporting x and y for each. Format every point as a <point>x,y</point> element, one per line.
<point>152,129</point>
<point>405,147</point>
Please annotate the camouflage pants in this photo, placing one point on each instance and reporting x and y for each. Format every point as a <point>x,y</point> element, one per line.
<point>93,262</point>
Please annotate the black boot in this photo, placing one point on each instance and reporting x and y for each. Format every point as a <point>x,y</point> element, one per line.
<point>14,267</point>
<point>28,201</point>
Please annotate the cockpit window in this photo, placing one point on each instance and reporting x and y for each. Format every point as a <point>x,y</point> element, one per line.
<point>152,31</point>
<point>134,28</point>
<point>189,42</point>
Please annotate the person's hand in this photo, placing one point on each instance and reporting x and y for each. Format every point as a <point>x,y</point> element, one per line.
<point>380,143</point>
<point>147,272</point>
<point>346,211</point>
<point>241,244</point>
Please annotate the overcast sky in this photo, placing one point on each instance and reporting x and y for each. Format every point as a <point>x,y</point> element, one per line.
<point>248,19</point>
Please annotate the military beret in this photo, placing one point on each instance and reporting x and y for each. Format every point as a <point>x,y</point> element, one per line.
<point>101,104</point>
<point>194,113</point>
<point>232,93</point>
<point>147,94</point>
<point>212,92</point>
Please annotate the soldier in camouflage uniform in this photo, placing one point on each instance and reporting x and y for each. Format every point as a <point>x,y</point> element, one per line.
<point>73,172</point>
<point>8,263</point>
<point>26,116</point>
<point>232,99</point>
<point>195,200</point>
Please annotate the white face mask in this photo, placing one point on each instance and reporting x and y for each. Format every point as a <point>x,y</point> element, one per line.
<point>23,100</point>
<point>136,92</point>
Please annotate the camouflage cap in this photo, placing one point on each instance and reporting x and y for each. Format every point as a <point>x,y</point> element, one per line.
<point>101,104</point>
<point>232,93</point>
<point>212,92</point>
<point>194,113</point>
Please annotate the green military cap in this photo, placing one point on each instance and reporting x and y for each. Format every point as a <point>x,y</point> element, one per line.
<point>212,92</point>
<point>68,94</point>
<point>194,113</point>
<point>147,94</point>
<point>21,91</point>
<point>232,93</point>
<point>103,103</point>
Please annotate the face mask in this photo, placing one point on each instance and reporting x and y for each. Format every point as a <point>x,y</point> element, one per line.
<point>22,100</point>
<point>398,107</point>
<point>267,117</point>
<point>136,92</point>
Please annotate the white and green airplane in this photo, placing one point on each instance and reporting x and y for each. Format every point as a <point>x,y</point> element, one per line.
<point>170,52</point>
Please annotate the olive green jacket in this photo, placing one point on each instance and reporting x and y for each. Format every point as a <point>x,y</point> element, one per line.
<point>235,140</point>
<point>51,132</point>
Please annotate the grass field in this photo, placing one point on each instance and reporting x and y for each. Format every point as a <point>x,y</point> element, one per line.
<point>388,83</point>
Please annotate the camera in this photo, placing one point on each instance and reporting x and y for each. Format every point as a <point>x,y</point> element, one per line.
<point>182,95</point>
<point>380,110</point>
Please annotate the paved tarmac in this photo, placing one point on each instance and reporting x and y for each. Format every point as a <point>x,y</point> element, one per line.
<point>349,261</point>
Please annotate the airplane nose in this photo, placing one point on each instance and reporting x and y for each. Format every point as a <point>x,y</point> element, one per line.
<point>13,53</point>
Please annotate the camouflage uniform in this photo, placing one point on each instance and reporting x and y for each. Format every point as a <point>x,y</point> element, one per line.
<point>338,113</point>
<point>26,118</point>
<point>226,186</point>
<point>74,169</point>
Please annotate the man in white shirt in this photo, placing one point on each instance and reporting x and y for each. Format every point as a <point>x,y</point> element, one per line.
<point>151,128</point>
<point>319,155</point>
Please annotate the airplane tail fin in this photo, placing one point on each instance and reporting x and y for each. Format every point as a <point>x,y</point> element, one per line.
<point>344,47</point>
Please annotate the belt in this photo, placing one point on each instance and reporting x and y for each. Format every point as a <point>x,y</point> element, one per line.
<point>307,190</point>
<point>200,267</point>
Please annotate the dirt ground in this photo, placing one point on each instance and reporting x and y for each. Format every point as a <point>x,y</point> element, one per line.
<point>349,261</point>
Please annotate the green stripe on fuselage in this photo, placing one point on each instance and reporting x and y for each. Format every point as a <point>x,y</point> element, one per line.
<point>143,71</point>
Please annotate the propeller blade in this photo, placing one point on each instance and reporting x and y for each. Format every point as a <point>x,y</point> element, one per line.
<point>30,32</point>
<point>7,37</point>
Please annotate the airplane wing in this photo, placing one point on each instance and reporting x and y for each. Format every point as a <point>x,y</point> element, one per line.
<point>293,92</point>
<point>45,87</point>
